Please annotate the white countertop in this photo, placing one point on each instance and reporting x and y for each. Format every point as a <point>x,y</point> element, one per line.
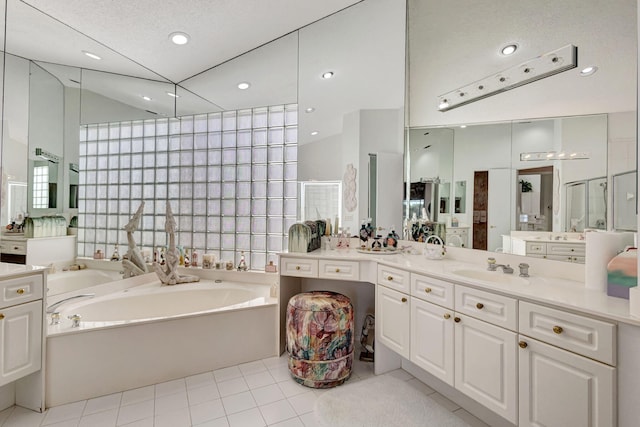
<point>8,270</point>
<point>560,292</point>
<point>547,240</point>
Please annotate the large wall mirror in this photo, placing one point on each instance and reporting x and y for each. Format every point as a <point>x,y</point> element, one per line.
<point>541,157</point>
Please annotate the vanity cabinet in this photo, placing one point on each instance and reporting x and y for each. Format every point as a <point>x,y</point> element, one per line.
<point>557,250</point>
<point>566,369</point>
<point>457,236</point>
<point>393,317</point>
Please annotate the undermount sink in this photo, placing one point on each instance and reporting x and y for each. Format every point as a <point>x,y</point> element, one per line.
<point>491,276</point>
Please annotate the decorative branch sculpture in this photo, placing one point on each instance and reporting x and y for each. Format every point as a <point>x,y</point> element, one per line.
<point>134,265</point>
<point>169,274</point>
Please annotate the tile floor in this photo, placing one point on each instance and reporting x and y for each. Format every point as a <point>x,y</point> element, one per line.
<point>259,393</point>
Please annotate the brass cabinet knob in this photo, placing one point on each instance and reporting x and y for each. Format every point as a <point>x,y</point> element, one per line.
<point>297,267</point>
<point>427,290</point>
<point>479,306</point>
<point>404,300</point>
<point>557,329</point>
<point>389,278</point>
<point>523,344</point>
<point>447,316</point>
<point>337,270</point>
<point>1,316</point>
<point>20,291</point>
<point>457,319</point>
<point>572,250</point>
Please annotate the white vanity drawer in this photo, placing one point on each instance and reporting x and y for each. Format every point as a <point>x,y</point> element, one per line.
<point>394,278</point>
<point>497,309</point>
<point>433,290</point>
<point>20,290</point>
<point>590,337</point>
<point>13,247</point>
<point>346,270</point>
<point>299,267</point>
<point>536,248</point>
<point>574,249</point>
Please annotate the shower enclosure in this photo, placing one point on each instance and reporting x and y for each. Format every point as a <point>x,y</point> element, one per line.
<point>586,205</point>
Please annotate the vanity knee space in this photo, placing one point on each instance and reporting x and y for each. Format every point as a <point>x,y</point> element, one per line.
<point>523,361</point>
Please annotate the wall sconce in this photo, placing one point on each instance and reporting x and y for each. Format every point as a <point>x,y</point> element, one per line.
<point>554,155</point>
<point>546,65</point>
<point>47,156</point>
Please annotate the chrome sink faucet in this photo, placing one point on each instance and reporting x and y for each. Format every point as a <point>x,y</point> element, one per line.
<point>492,266</point>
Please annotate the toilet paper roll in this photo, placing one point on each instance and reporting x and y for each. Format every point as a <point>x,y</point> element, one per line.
<point>634,302</point>
<point>600,248</point>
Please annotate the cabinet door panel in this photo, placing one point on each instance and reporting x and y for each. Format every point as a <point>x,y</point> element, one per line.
<point>562,389</point>
<point>486,365</point>
<point>392,320</point>
<point>21,341</point>
<point>432,339</point>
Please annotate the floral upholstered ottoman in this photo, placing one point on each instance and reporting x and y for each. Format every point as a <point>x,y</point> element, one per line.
<point>320,338</point>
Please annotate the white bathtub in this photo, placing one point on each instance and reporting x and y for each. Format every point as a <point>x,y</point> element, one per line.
<point>150,333</point>
<point>69,281</point>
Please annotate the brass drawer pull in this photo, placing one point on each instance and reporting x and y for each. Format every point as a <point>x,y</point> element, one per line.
<point>1,316</point>
<point>427,290</point>
<point>557,329</point>
<point>523,344</point>
<point>479,306</point>
<point>297,267</point>
<point>20,291</point>
<point>337,270</point>
<point>457,319</point>
<point>404,300</point>
<point>447,316</point>
<point>389,278</point>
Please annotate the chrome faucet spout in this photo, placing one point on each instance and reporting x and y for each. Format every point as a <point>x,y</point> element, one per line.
<point>506,269</point>
<point>52,307</point>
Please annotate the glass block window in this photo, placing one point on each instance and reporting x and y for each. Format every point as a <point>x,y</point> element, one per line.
<point>41,187</point>
<point>320,200</point>
<point>225,175</point>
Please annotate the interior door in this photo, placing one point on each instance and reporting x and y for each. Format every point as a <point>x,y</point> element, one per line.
<point>498,215</point>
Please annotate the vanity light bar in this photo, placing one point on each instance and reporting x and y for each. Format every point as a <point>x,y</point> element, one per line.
<point>553,155</point>
<point>546,65</point>
<point>47,156</point>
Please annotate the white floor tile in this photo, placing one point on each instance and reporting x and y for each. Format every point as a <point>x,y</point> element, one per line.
<point>268,394</point>
<point>206,411</point>
<point>291,388</point>
<point>281,373</point>
<point>309,419</point>
<point>170,387</point>
<point>69,423</point>
<point>277,411</point>
<point>5,414</point>
<point>178,418</point>
<point>103,403</point>
<point>250,418</point>
<point>444,402</point>
<point>226,374</point>
<point>135,412</point>
<point>171,402</point>
<point>100,419</point>
<point>292,422</point>
<point>203,394</point>
<point>401,374</point>
<point>234,386</point>
<point>303,403</point>
<point>238,402</point>
<point>21,417</point>
<point>470,419</point>
<point>252,367</point>
<point>66,412</point>
<point>420,386</point>
<point>200,380</point>
<point>138,395</point>
<point>147,422</point>
<point>274,362</point>
<point>259,379</point>
<point>219,422</point>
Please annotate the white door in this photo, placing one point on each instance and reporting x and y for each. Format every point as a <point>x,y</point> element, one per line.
<point>432,339</point>
<point>486,365</point>
<point>392,320</point>
<point>498,215</point>
<point>20,341</point>
<point>563,389</point>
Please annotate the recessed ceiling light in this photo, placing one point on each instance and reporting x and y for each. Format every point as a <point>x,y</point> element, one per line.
<point>179,38</point>
<point>509,49</point>
<point>314,133</point>
<point>309,110</point>
<point>463,126</point>
<point>173,95</point>
<point>244,85</point>
<point>91,55</point>
<point>146,98</point>
<point>587,71</point>
<point>327,75</point>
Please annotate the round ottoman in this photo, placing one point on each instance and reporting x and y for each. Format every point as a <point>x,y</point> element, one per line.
<point>320,338</point>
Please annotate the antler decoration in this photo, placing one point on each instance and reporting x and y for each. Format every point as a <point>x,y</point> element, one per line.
<point>169,274</point>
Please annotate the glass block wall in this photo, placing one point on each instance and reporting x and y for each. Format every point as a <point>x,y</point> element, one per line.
<point>230,178</point>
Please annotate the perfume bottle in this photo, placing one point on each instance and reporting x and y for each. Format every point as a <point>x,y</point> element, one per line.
<point>194,258</point>
<point>242,265</point>
<point>116,254</point>
<point>187,260</point>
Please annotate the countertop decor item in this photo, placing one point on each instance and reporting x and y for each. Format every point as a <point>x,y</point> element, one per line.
<point>434,247</point>
<point>134,264</point>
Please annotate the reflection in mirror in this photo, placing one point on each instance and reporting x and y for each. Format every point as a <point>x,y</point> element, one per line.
<point>74,180</point>
<point>460,197</point>
<point>625,201</point>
